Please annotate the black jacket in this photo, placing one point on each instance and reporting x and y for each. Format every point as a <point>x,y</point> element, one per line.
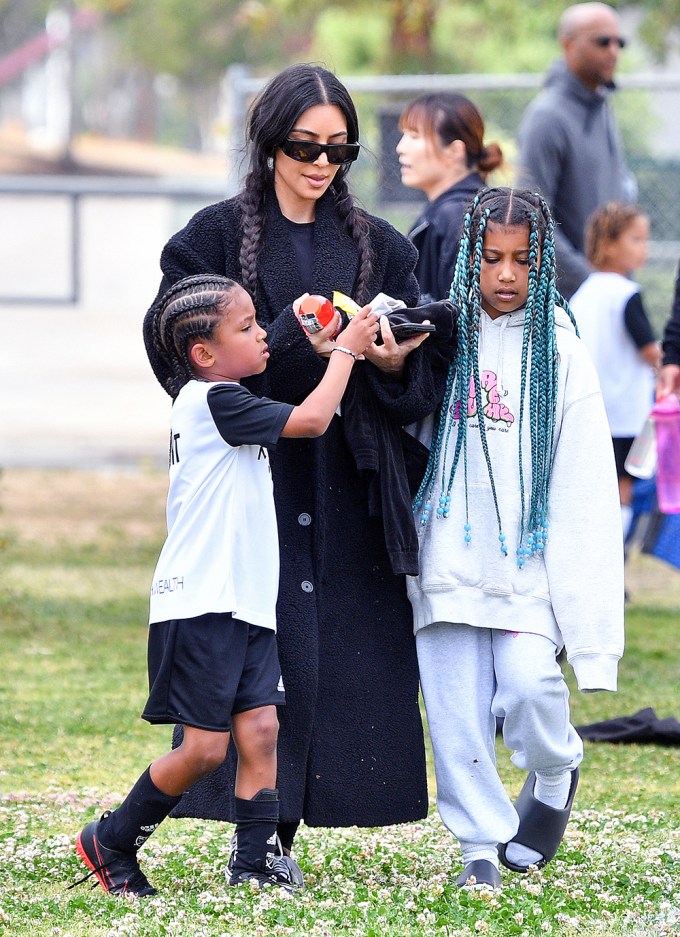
<point>436,233</point>
<point>350,742</point>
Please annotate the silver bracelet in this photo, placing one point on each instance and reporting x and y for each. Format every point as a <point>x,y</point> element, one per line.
<point>345,351</point>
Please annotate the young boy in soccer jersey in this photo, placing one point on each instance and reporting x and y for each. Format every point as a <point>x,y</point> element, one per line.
<point>213,662</point>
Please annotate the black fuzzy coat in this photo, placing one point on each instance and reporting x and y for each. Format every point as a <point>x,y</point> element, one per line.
<point>351,746</point>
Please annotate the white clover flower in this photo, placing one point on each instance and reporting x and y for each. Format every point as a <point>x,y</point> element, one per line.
<point>533,888</point>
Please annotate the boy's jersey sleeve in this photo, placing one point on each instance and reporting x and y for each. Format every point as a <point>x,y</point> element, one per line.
<point>637,322</point>
<point>243,419</point>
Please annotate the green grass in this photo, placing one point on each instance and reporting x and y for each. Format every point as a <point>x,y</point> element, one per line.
<point>73,682</point>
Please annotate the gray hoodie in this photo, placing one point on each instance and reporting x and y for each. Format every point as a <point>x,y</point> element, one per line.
<point>573,593</point>
<point>571,151</point>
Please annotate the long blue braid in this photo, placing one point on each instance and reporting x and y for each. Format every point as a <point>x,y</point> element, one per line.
<point>539,368</point>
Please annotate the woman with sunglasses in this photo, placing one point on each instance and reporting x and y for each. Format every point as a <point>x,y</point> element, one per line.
<point>350,742</point>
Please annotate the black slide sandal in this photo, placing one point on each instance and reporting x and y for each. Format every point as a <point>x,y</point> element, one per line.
<point>541,827</point>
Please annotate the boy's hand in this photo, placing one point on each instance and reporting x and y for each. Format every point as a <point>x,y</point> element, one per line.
<point>361,331</point>
<point>322,342</point>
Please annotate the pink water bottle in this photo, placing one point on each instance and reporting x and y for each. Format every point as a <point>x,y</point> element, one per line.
<point>666,416</point>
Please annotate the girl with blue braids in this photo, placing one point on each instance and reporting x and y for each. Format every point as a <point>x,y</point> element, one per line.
<point>520,544</point>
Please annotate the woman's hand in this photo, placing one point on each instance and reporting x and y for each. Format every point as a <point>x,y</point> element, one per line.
<point>390,356</point>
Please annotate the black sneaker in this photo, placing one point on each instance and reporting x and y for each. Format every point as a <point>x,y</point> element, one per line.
<point>117,872</point>
<point>277,869</point>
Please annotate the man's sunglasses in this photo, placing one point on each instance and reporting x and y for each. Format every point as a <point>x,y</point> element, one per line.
<point>305,151</point>
<point>604,41</point>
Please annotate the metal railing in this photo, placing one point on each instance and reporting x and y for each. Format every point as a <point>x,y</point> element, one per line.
<point>74,191</point>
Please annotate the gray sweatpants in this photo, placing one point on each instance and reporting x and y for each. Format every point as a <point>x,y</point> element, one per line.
<point>469,676</point>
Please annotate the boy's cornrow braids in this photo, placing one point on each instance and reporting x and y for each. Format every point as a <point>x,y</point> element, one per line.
<point>185,329</point>
<point>189,309</point>
<point>181,305</point>
<point>199,292</point>
<point>158,317</point>
<point>159,339</point>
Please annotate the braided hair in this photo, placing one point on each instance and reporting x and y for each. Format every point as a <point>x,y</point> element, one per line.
<point>539,367</point>
<point>270,121</point>
<point>189,310</point>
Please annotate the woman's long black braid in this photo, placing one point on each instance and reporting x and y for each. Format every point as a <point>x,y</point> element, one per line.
<point>190,309</point>
<point>539,367</point>
<point>270,122</point>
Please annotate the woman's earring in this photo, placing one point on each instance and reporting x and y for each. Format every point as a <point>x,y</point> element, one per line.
<point>270,162</point>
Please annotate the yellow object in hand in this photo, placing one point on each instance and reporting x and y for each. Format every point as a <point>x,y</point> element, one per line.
<point>345,304</point>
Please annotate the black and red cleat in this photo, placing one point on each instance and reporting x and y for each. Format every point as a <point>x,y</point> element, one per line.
<point>117,872</point>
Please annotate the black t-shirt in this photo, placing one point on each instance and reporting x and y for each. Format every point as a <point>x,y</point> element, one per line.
<point>302,237</point>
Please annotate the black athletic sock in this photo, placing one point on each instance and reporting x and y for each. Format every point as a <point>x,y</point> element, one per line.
<point>129,827</point>
<point>256,821</point>
<point>287,830</point>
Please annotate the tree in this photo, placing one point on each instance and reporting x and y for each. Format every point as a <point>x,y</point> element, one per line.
<point>176,53</point>
<point>659,28</point>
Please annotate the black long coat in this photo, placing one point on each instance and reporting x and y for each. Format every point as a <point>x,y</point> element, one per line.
<point>351,746</point>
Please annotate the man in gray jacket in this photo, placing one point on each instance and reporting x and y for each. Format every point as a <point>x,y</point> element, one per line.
<point>570,148</point>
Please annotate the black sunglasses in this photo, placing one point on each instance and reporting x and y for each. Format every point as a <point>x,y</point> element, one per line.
<point>604,41</point>
<point>305,151</point>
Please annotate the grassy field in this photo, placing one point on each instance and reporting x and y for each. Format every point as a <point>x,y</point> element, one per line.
<point>77,551</point>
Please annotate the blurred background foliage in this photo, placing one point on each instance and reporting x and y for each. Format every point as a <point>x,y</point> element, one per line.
<point>160,51</point>
<point>194,42</point>
<point>158,72</point>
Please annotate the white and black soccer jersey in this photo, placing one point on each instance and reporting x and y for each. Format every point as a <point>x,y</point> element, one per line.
<point>221,553</point>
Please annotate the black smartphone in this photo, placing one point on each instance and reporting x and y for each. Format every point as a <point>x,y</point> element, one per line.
<point>404,330</point>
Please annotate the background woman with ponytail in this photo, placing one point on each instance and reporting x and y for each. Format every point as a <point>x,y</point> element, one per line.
<point>442,152</point>
<point>350,741</point>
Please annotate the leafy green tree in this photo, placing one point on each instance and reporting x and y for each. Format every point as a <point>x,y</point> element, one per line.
<point>660,26</point>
